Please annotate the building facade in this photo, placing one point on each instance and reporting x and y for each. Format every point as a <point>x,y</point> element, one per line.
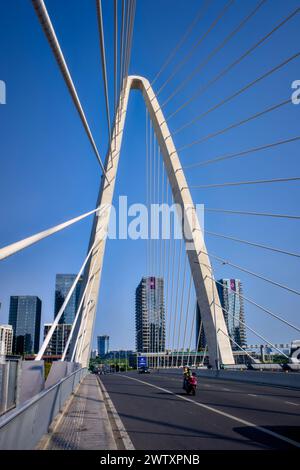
<point>230,292</point>
<point>59,338</point>
<point>25,319</point>
<point>63,284</point>
<point>150,315</point>
<point>6,340</point>
<point>102,345</point>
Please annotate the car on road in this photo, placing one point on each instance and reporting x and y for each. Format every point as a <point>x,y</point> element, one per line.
<point>144,370</point>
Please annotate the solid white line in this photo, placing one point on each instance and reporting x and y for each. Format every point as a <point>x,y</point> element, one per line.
<point>222,413</point>
<point>123,433</point>
<point>291,403</point>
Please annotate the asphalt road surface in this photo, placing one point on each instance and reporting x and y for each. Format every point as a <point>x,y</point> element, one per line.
<point>158,415</point>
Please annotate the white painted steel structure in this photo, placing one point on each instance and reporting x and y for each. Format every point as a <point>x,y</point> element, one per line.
<point>207,295</point>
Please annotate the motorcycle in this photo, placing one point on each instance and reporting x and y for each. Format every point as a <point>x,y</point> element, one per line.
<point>190,387</point>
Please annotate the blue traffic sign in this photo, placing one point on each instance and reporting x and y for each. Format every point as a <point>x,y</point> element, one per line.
<point>142,361</point>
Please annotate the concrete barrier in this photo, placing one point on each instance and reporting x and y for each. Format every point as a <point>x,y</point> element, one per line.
<point>23,427</point>
<point>32,379</point>
<point>281,379</point>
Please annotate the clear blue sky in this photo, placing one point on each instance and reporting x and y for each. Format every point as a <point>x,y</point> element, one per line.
<point>49,173</point>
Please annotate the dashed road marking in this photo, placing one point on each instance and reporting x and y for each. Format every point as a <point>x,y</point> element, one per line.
<point>222,413</point>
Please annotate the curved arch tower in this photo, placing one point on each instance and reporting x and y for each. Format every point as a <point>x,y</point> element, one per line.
<point>219,347</point>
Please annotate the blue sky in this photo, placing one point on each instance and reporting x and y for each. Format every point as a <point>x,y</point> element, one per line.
<point>49,172</point>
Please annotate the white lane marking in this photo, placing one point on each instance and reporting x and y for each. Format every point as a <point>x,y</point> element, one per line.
<point>222,413</point>
<point>225,389</point>
<point>123,433</point>
<point>291,403</point>
<point>252,395</point>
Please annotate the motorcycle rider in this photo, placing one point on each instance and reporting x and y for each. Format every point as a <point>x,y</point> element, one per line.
<point>186,375</point>
<point>192,383</point>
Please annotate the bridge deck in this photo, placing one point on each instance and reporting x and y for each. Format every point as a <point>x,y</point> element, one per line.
<point>85,423</point>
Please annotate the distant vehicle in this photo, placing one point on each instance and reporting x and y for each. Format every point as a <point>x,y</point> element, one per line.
<point>144,370</point>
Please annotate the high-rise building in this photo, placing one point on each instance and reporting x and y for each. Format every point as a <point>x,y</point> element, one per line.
<point>150,315</point>
<point>25,318</point>
<point>6,339</point>
<point>62,286</point>
<point>102,345</point>
<point>59,338</point>
<point>230,292</point>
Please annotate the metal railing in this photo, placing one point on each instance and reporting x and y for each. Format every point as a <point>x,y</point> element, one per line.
<point>23,427</point>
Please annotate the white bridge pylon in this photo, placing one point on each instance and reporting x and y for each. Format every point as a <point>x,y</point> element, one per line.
<point>219,346</point>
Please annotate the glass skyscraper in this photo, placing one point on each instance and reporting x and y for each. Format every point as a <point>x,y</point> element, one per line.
<point>102,345</point>
<point>150,315</point>
<point>25,318</point>
<point>59,338</point>
<point>62,286</point>
<point>229,291</point>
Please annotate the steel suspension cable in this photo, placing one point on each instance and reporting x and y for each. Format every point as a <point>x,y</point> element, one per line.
<point>77,313</point>
<point>115,54</point>
<point>65,303</point>
<point>239,183</point>
<point>147,189</point>
<point>81,337</point>
<point>173,251</point>
<point>239,92</point>
<point>195,46</point>
<point>217,49</point>
<point>252,330</point>
<point>259,214</point>
<point>242,153</point>
<point>252,302</point>
<point>13,248</point>
<point>186,314</point>
<point>191,335</point>
<point>173,53</point>
<point>103,62</point>
<point>235,125</point>
<point>204,88</point>
<point>264,309</point>
<point>176,297</point>
<point>121,48</point>
<point>259,276</point>
<point>130,35</point>
<point>50,34</point>
<point>168,316</point>
<point>164,264</point>
<point>198,342</point>
<point>258,245</point>
<point>236,344</point>
<point>181,305</point>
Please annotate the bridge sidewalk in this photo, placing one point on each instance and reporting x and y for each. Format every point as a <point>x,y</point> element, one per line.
<point>84,424</point>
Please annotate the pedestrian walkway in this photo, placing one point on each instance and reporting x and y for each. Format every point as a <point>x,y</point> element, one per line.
<point>84,424</point>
